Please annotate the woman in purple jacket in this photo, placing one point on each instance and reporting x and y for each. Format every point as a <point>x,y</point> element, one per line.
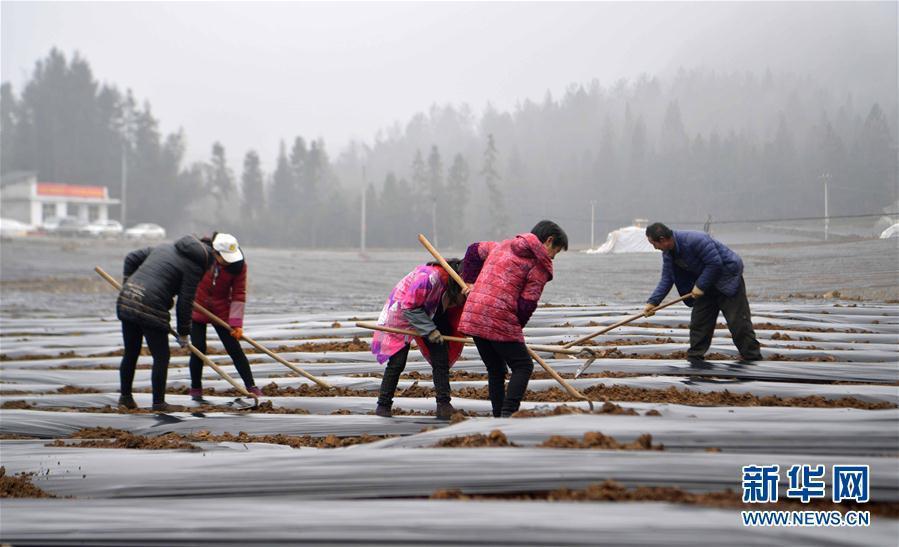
<point>713,274</point>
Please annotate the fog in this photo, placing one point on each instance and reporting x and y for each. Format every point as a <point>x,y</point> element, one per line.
<point>675,111</point>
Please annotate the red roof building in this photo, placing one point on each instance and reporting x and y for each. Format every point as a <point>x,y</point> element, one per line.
<point>25,199</point>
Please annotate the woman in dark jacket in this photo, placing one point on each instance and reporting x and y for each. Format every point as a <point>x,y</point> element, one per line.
<point>223,291</point>
<point>152,278</point>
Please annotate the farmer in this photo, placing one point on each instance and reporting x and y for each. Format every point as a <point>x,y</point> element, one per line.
<point>429,302</point>
<point>152,278</point>
<point>713,275</point>
<point>223,291</point>
<point>508,279</point>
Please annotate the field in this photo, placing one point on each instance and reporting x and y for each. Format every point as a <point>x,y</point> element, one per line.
<point>658,461</point>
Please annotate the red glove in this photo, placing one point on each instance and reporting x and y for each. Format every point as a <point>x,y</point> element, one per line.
<point>237,333</point>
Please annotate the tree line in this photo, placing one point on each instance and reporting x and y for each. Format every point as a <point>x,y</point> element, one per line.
<point>731,146</point>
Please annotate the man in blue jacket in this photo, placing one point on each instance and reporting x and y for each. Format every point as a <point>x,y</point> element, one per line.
<point>713,275</point>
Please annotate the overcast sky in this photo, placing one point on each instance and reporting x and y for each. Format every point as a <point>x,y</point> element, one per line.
<point>250,74</point>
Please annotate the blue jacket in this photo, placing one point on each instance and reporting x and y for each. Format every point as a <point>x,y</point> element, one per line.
<point>697,259</point>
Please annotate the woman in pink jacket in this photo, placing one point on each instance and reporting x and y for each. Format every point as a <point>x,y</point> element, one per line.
<point>508,280</point>
<point>429,302</point>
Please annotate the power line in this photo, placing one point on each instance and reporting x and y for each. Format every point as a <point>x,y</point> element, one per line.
<point>868,215</point>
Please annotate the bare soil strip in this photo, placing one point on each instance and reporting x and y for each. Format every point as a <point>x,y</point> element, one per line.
<point>727,499</point>
<point>107,437</point>
<point>591,440</point>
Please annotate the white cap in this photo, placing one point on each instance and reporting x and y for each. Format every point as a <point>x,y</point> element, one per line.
<point>226,245</point>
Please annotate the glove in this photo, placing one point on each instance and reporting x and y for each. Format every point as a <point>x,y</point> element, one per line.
<point>237,333</point>
<point>649,309</point>
<point>697,292</point>
<point>435,337</point>
<point>182,341</point>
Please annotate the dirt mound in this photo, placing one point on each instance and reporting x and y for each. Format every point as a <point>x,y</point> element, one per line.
<point>17,405</point>
<point>77,389</point>
<point>105,437</point>
<point>273,390</point>
<point>682,396</point>
<point>354,345</point>
<point>478,440</point>
<point>628,342</point>
<point>726,499</point>
<point>596,440</point>
<point>20,486</point>
<point>608,393</point>
<point>464,375</point>
<point>266,407</point>
<point>803,358</point>
<point>799,328</point>
<point>606,408</point>
<point>294,441</point>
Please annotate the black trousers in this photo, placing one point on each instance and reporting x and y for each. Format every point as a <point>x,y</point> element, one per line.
<point>397,363</point>
<point>232,346</point>
<point>739,322</point>
<point>158,343</point>
<point>497,356</point>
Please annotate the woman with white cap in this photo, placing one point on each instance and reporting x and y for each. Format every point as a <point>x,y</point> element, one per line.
<point>223,291</point>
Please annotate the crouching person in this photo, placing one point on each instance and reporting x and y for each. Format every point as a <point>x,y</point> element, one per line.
<point>153,277</point>
<point>429,302</point>
<point>508,279</point>
<point>712,274</point>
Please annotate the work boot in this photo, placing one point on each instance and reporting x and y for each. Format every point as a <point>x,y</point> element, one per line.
<point>384,411</point>
<point>255,391</point>
<point>196,393</point>
<point>127,401</point>
<point>445,411</point>
<point>165,407</point>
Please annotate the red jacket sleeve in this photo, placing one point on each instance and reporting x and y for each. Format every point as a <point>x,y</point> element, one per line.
<point>238,298</point>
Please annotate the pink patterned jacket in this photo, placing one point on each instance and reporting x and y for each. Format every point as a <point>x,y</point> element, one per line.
<point>423,287</point>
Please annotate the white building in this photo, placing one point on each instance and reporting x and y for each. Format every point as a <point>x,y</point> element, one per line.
<point>25,199</point>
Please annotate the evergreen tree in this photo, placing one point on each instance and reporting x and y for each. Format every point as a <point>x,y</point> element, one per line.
<point>435,192</point>
<point>282,183</point>
<point>457,200</point>
<point>875,164</point>
<point>495,202</point>
<point>8,108</point>
<point>253,189</point>
<point>220,181</point>
<point>420,209</point>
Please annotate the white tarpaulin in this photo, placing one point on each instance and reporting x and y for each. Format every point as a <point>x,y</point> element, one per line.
<point>630,239</point>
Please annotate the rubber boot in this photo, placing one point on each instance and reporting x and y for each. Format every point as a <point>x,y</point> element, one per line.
<point>196,393</point>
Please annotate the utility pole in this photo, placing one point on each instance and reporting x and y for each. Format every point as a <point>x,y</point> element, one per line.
<point>124,180</point>
<point>826,178</point>
<point>592,221</point>
<point>362,227</point>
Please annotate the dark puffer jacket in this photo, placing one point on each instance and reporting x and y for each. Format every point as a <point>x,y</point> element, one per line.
<point>155,275</point>
<point>698,259</point>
